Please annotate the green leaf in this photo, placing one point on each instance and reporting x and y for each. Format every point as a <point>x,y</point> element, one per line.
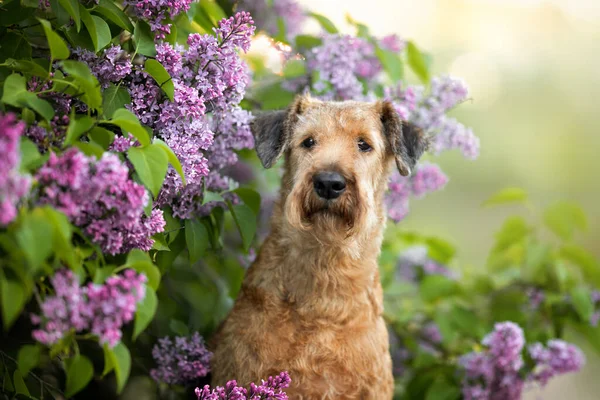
<point>151,163</point>
<point>15,46</point>
<point>161,76</point>
<point>145,312</point>
<point>506,196</point>
<point>434,287</point>
<point>26,66</point>
<point>29,154</point>
<point>196,238</point>
<point>58,47</point>
<point>294,69</point>
<point>391,62</point>
<point>96,27</point>
<point>111,11</point>
<point>16,94</point>
<point>90,149</point>
<point>324,22</point>
<point>34,236</point>
<point>147,268</point>
<point>245,220</point>
<point>120,359</point>
<point>28,357</point>
<point>440,250</point>
<point>103,137</point>
<point>160,244</point>
<point>582,302</point>
<point>213,10</point>
<point>564,218</point>
<point>113,98</point>
<point>125,120</point>
<point>72,7</point>
<point>173,160</point>
<point>208,197</point>
<point>20,386</point>
<point>179,328</point>
<point>250,197</point>
<point>144,39</point>
<point>79,373</point>
<point>587,263</point>
<point>273,96</point>
<point>308,41</point>
<point>513,230</point>
<point>442,390</point>
<point>77,127</point>
<point>12,295</point>
<point>417,62</point>
<point>86,83</point>
<point>108,360</point>
<point>12,13</point>
<point>361,29</point>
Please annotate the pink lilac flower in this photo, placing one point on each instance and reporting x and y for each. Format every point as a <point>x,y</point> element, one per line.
<point>392,43</point>
<point>99,309</point>
<point>158,13</point>
<point>180,361</point>
<point>267,17</point>
<point>99,197</point>
<point>13,185</point>
<point>271,389</point>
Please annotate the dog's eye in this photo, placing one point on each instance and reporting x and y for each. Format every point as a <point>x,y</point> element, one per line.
<point>364,146</point>
<point>308,143</point>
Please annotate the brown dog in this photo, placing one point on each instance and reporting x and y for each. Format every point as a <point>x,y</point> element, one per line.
<point>311,304</point>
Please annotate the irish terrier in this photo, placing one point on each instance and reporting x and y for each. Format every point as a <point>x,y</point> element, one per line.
<point>311,304</point>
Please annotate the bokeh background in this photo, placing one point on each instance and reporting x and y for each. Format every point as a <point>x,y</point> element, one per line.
<point>532,67</point>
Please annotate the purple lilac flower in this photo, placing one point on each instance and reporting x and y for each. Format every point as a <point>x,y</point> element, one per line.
<point>558,357</point>
<point>266,17</point>
<point>158,12</point>
<point>536,298</point>
<point>271,389</point>
<point>427,178</point>
<point>341,61</point>
<point>100,309</point>
<point>392,43</point>
<point>13,184</point>
<point>99,197</point>
<point>112,66</point>
<point>180,361</point>
<point>414,260</point>
<point>210,81</point>
<point>595,297</point>
<point>499,372</point>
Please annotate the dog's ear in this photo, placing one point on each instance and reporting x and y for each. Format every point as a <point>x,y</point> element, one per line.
<point>407,141</point>
<point>272,130</point>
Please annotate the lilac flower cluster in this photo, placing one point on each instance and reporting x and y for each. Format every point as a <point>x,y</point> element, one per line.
<point>112,66</point>
<point>500,372</point>
<point>204,125</point>
<point>99,197</point>
<point>180,361</point>
<point>271,389</point>
<point>13,184</point>
<point>414,262</point>
<point>427,178</point>
<point>99,309</point>
<point>267,17</point>
<point>158,12</point>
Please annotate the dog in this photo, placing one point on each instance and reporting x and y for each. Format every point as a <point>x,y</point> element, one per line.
<point>312,302</point>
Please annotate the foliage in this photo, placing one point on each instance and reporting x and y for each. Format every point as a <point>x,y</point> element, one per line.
<point>129,199</point>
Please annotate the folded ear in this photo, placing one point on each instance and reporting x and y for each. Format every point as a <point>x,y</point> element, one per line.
<point>407,141</point>
<point>272,130</point>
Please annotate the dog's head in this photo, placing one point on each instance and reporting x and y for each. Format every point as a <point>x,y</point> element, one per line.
<point>338,159</point>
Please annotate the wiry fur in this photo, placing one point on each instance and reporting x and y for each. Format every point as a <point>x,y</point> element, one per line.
<point>311,303</point>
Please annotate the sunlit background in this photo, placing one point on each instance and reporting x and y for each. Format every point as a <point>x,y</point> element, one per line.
<point>532,67</point>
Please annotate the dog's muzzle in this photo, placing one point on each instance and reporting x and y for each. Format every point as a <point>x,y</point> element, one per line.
<point>329,185</point>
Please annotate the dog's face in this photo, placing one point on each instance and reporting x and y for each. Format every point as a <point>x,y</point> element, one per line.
<point>338,158</point>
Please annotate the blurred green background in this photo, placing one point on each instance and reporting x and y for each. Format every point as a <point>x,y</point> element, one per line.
<point>532,67</point>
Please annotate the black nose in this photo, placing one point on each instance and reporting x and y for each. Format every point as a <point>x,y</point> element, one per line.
<point>329,185</point>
